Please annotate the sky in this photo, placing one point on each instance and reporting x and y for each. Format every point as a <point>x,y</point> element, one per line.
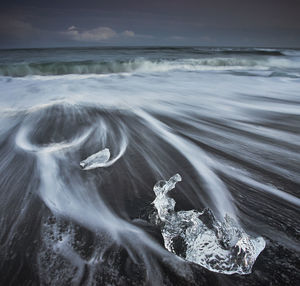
<point>54,23</point>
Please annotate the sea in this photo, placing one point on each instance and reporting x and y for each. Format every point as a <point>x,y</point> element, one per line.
<point>86,134</point>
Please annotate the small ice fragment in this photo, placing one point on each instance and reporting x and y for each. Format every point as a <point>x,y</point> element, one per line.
<point>220,246</point>
<point>96,160</point>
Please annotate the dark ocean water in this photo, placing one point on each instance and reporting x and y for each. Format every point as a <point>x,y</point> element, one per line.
<point>226,119</point>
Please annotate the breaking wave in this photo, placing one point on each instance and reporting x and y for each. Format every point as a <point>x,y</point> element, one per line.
<point>142,65</point>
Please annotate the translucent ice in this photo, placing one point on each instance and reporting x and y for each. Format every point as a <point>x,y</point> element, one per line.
<point>96,160</point>
<point>198,237</point>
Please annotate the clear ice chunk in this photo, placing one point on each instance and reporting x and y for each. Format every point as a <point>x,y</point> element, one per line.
<point>199,237</point>
<point>96,160</point>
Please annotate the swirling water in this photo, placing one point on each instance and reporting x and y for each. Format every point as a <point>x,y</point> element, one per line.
<point>227,120</point>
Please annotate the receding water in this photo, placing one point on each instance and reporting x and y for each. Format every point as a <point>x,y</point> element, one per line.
<point>227,120</point>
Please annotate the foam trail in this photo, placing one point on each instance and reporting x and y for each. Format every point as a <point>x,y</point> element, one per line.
<point>66,200</point>
<point>264,187</point>
<point>123,146</point>
<point>22,141</point>
<point>221,198</point>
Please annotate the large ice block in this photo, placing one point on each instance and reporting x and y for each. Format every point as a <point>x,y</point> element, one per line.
<point>200,238</point>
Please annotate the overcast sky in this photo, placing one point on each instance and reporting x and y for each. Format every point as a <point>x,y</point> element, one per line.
<point>53,23</point>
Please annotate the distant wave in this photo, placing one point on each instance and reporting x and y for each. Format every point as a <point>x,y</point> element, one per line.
<point>220,51</point>
<point>142,65</point>
<point>259,52</point>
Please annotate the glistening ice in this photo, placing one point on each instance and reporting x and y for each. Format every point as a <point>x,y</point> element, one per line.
<point>220,246</point>
<point>96,160</point>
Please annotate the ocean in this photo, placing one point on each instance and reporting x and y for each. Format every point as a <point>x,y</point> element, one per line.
<point>226,120</point>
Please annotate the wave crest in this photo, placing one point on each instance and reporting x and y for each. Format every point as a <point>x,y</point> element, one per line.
<point>139,65</point>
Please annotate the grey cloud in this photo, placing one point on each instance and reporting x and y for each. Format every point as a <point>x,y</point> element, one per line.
<point>94,35</point>
<point>128,33</point>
